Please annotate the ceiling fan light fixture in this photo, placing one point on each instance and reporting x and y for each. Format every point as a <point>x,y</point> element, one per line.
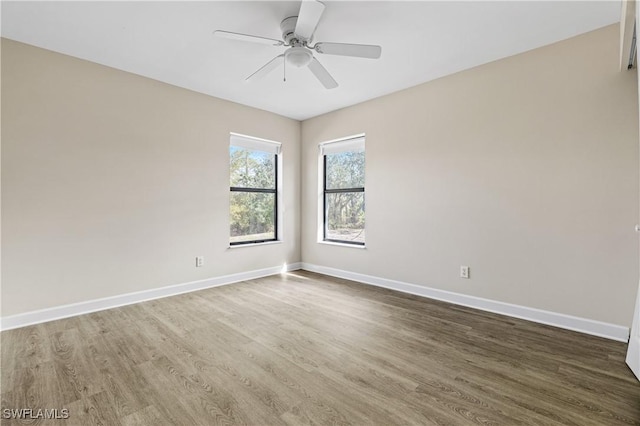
<point>298,56</point>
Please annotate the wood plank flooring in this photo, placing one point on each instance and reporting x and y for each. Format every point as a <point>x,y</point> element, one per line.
<point>306,349</point>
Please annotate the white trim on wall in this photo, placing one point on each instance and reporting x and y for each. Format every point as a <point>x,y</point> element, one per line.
<point>81,308</point>
<point>582,325</point>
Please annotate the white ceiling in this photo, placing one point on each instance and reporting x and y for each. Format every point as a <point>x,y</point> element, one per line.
<point>421,40</point>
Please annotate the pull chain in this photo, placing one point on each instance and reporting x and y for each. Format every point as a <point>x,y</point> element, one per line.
<point>285,69</point>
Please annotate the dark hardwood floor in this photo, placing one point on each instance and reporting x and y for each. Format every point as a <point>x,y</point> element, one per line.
<point>303,348</point>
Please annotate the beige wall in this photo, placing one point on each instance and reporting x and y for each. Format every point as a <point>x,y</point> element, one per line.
<point>525,169</point>
<point>112,183</point>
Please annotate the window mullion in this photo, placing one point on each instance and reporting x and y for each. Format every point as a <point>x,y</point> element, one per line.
<point>243,189</point>
<point>340,190</point>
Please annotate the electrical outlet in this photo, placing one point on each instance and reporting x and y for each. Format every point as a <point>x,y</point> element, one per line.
<point>199,261</point>
<point>464,272</point>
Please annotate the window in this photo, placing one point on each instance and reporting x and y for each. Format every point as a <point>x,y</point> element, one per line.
<point>343,191</point>
<point>254,190</point>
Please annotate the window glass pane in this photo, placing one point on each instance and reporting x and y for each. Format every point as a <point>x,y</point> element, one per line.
<point>252,169</point>
<point>252,216</point>
<point>345,216</point>
<point>345,170</point>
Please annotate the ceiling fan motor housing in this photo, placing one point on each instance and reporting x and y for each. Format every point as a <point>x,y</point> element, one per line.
<point>297,55</point>
<point>288,27</point>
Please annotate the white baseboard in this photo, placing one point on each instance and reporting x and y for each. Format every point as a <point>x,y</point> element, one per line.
<point>582,325</point>
<point>66,311</point>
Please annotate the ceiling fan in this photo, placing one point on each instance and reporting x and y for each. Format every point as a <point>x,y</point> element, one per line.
<point>297,35</point>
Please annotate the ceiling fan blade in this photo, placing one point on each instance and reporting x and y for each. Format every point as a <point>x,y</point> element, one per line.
<point>308,18</point>
<point>345,49</point>
<point>247,37</point>
<point>267,68</point>
<point>322,74</point>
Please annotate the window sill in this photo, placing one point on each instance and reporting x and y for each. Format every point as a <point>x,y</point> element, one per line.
<point>266,243</point>
<point>332,243</point>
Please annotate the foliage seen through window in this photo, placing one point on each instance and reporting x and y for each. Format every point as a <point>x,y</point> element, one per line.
<point>344,197</point>
<point>253,195</point>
